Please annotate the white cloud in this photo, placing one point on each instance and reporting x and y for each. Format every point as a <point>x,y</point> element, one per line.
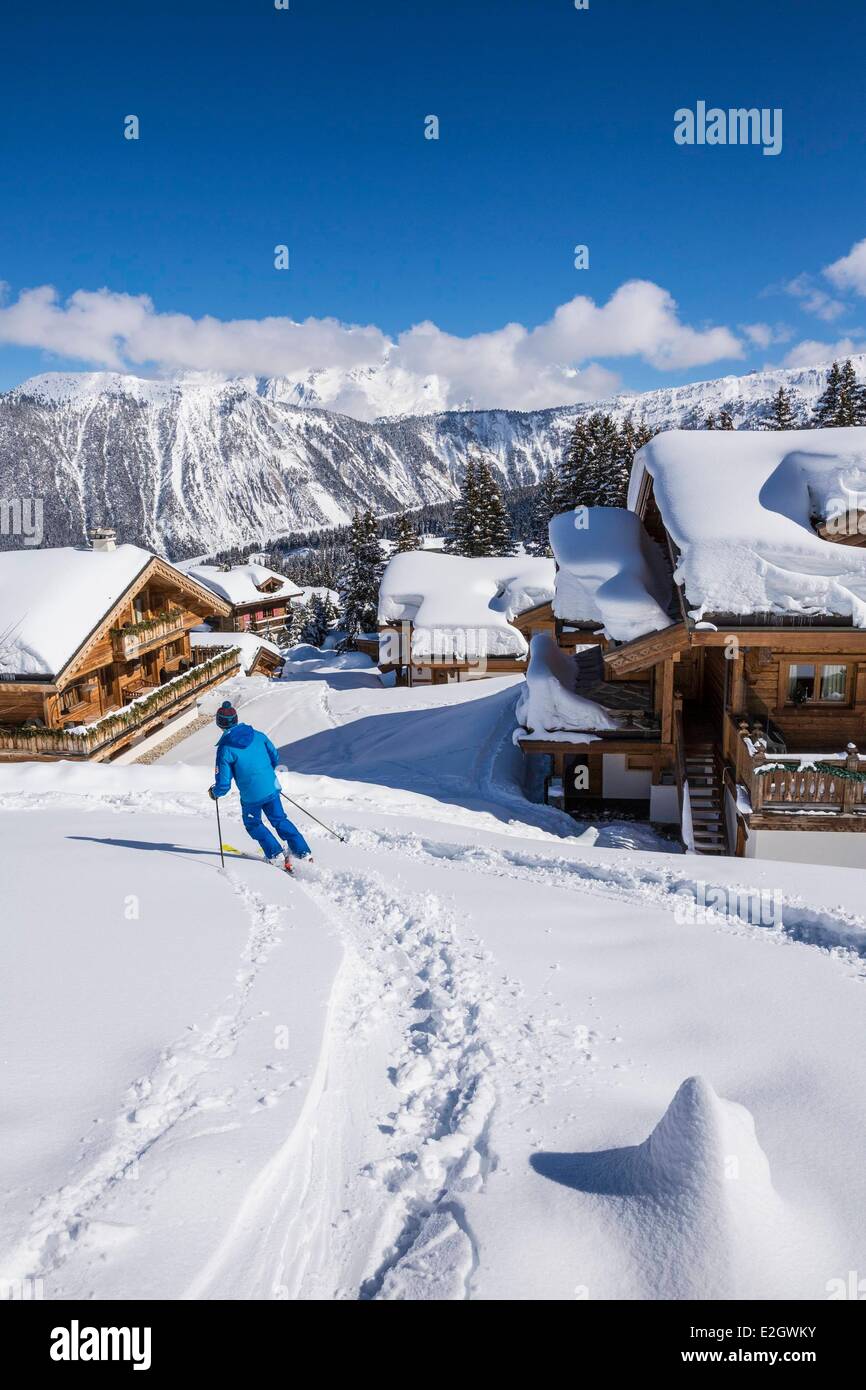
<point>552,364</point>
<point>849,272</point>
<point>810,352</point>
<point>813,299</point>
<point>763,335</point>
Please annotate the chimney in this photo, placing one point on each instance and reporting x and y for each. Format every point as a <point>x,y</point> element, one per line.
<point>103,539</point>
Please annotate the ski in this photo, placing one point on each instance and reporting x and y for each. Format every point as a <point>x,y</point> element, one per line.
<point>257,859</point>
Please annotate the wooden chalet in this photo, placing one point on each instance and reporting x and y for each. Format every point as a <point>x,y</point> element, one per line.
<point>744,723</point>
<point>259,599</point>
<point>447,618</point>
<point>95,649</point>
<point>258,655</point>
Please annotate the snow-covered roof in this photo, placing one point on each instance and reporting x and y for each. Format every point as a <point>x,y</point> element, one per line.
<point>241,584</point>
<point>441,593</point>
<point>739,506</point>
<point>610,572</point>
<point>549,703</point>
<point>52,599</point>
<point>250,643</point>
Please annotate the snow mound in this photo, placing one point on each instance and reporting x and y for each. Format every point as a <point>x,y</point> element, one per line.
<point>549,703</point>
<point>445,596</point>
<point>610,572</point>
<point>741,507</point>
<point>706,1147</point>
<point>695,1204</point>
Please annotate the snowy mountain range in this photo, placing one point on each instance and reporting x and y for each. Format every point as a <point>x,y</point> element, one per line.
<point>198,462</point>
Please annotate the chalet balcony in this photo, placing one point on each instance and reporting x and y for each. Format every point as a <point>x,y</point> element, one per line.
<point>113,731</point>
<point>832,783</point>
<point>130,642</point>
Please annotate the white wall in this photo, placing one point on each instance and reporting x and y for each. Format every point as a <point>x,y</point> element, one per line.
<point>846,849</point>
<point>664,805</point>
<point>618,781</point>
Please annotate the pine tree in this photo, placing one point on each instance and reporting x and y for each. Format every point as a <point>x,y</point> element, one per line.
<point>296,618</point>
<point>464,533</point>
<point>782,415</point>
<point>320,619</point>
<point>495,531</point>
<point>359,584</point>
<point>407,537</point>
<point>546,506</point>
<point>481,522</point>
<point>827,407</point>
<point>710,422</point>
<point>573,469</point>
<point>726,420</point>
<point>852,398</point>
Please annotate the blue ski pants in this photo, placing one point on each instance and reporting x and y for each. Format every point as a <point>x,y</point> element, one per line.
<point>273,809</point>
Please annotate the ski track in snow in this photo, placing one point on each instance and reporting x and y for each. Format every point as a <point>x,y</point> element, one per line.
<point>839,932</point>
<point>366,1196</point>
<point>404,964</point>
<point>155,1104</point>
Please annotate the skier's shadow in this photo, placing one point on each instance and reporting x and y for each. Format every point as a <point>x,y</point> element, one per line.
<point>164,848</point>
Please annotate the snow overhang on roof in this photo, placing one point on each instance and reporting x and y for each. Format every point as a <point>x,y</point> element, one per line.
<point>548,703</point>
<point>742,506</point>
<point>453,594</point>
<point>52,600</point>
<point>241,585</point>
<point>610,572</point>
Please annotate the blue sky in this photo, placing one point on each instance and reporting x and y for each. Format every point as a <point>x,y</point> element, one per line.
<point>262,127</point>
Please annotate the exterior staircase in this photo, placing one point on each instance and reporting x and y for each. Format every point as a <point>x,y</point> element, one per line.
<point>706,796</point>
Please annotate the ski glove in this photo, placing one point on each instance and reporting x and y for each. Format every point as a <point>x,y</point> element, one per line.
<point>212,794</point>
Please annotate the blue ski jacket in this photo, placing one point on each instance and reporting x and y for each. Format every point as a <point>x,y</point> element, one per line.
<point>248,756</point>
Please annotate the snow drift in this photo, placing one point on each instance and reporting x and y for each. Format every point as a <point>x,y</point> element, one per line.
<point>549,703</point>
<point>742,509</point>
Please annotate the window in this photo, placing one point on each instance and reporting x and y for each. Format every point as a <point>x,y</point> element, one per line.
<point>834,681</point>
<point>809,683</point>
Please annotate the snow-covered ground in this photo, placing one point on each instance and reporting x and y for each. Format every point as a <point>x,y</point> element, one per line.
<point>429,1065</point>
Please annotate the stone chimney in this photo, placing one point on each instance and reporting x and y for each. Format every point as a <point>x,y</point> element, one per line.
<point>103,539</point>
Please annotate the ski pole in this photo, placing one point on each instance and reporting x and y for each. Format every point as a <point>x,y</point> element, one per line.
<point>219,832</point>
<point>341,838</point>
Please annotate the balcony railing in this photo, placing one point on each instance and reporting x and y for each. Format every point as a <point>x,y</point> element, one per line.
<point>123,723</point>
<point>129,642</point>
<point>794,782</point>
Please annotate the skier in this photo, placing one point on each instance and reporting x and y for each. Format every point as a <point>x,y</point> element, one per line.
<point>248,756</point>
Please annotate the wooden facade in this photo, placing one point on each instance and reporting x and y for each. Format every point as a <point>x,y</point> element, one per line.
<point>133,671</point>
<point>759,719</point>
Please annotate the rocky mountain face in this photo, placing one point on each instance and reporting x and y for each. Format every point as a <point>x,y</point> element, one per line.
<point>194,464</point>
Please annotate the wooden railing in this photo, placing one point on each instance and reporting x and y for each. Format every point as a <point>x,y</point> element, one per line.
<point>785,782</point>
<point>128,642</point>
<point>121,723</point>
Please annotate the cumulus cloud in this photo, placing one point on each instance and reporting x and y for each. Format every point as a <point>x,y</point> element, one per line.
<point>810,352</point>
<point>849,272</point>
<point>554,363</point>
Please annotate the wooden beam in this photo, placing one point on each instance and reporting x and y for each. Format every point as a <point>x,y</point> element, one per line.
<point>647,650</point>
